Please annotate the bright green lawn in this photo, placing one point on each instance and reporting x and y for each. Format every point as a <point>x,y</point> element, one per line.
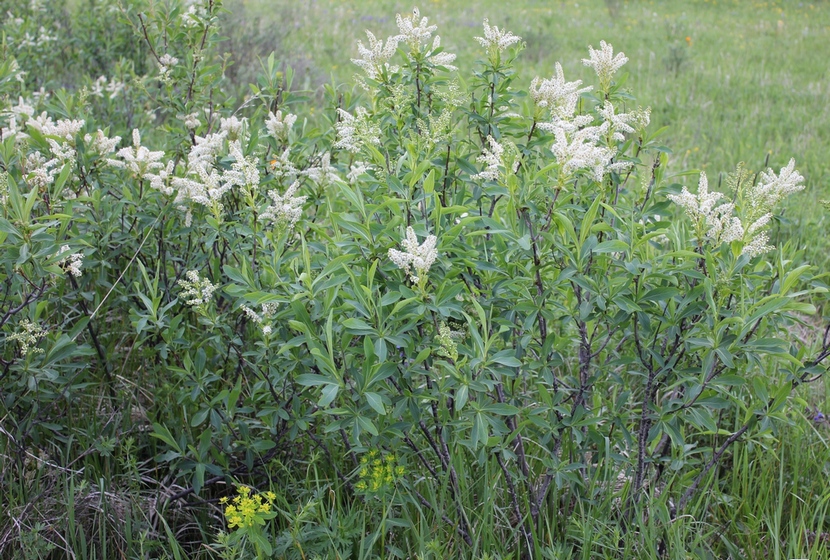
<point>735,80</point>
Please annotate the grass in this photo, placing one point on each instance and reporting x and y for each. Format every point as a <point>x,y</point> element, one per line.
<point>735,80</point>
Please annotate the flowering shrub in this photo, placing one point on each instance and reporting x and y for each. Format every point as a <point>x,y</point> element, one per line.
<point>470,276</point>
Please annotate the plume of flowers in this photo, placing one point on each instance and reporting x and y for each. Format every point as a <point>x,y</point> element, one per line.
<point>138,159</point>
<point>196,292</point>
<point>27,336</point>
<point>414,30</point>
<point>604,63</point>
<point>375,57</point>
<point>285,210</point>
<point>555,94</point>
<point>278,125</point>
<point>415,259</point>
<point>70,262</point>
<point>497,158</point>
<point>354,130</point>
<point>496,40</point>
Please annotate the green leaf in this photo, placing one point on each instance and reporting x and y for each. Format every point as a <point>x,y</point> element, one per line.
<point>611,246</point>
<point>502,409</point>
<point>588,220</point>
<point>161,432</point>
<point>429,182</point>
<point>328,394</point>
<point>376,403</point>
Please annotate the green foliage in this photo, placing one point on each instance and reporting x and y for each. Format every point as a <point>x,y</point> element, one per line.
<point>444,313</point>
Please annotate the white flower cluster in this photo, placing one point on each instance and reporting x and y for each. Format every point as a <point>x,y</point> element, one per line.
<point>64,129</point>
<point>165,64</point>
<point>27,336</point>
<point>604,63</point>
<point>30,41</point>
<point>196,291</point>
<point>285,210</point>
<point>103,86</point>
<point>39,172</point>
<point>203,183</point>
<point>496,40</point>
<point>354,130</point>
<point>771,189</point>
<point>282,166</point>
<point>375,57</point>
<point>415,259</point>
<point>617,123</point>
<point>279,126</point>
<point>262,319</point>
<point>195,15</point>
<point>415,32</point>
<point>579,144</point>
<point>578,147</point>
<point>414,29</point>
<point>71,263</point>
<point>324,172</point>
<point>138,159</point>
<point>555,94</point>
<point>357,169</point>
<point>191,120</point>
<point>100,143</point>
<point>496,160</point>
<point>717,222</point>
<point>4,188</point>
<point>60,136</point>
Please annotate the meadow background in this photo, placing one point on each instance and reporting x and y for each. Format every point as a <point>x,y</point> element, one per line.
<point>731,80</point>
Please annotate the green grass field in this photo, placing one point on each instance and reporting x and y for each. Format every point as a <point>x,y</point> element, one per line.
<point>733,80</point>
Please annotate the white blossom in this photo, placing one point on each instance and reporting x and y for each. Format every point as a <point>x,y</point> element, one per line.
<point>278,125</point>
<point>71,263</point>
<point>233,127</point>
<point>160,181</point>
<point>282,166</point>
<point>442,58</point>
<point>196,291</point>
<point>324,172</point>
<point>244,171</point>
<point>353,131</point>
<point>64,129</point>
<point>415,259</point>
<point>619,123</point>
<point>100,143</point>
<point>771,188</point>
<point>165,64</point>
<point>262,319</point>
<point>285,210</point>
<point>39,172</point>
<point>357,169</point>
<point>414,29</point>
<point>556,94</point>
<point>577,148</point>
<point>138,159</point>
<point>103,86</point>
<point>496,40</point>
<point>758,245</point>
<point>375,57</point>
<point>27,336</point>
<point>191,120</point>
<point>492,158</point>
<point>604,62</point>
